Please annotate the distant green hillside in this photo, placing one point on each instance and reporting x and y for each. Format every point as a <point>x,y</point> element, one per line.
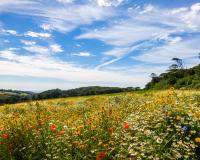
<point>83,91</point>
<point>10,96</point>
<point>178,78</point>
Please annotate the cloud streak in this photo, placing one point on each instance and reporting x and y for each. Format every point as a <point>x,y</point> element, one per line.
<point>163,54</point>
<point>108,3</point>
<point>42,66</point>
<point>63,18</point>
<point>150,25</point>
<point>83,54</point>
<point>37,34</point>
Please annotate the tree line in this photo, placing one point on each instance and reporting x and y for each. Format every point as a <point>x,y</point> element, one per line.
<point>9,96</point>
<point>177,76</point>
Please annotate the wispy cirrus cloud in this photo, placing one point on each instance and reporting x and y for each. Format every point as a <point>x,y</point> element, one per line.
<point>108,3</point>
<point>43,66</point>
<point>27,43</point>
<point>65,1</point>
<point>183,49</point>
<point>83,54</point>
<point>125,33</point>
<point>15,3</point>
<point>63,18</point>
<point>56,48</point>
<point>38,49</point>
<point>37,34</point>
<point>8,32</point>
<point>150,24</point>
<point>107,63</point>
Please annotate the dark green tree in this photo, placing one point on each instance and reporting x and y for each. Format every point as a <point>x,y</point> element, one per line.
<point>179,63</point>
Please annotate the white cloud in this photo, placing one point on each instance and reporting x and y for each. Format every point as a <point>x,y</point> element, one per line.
<point>42,66</point>
<point>179,10</point>
<point>7,54</point>
<point>28,43</point>
<point>15,3</point>
<point>56,48</point>
<point>107,63</point>
<point>70,17</point>
<point>63,18</point>
<point>37,49</point>
<point>174,40</point>
<point>192,17</point>
<point>37,34</point>
<point>46,27</point>
<point>108,3</point>
<point>141,69</point>
<point>13,32</point>
<point>146,28</point>
<point>125,33</point>
<point>163,54</point>
<point>82,54</point>
<point>8,32</point>
<point>147,9</point>
<point>65,1</point>
<point>33,48</point>
<point>118,51</point>
<point>13,49</point>
<point>178,19</point>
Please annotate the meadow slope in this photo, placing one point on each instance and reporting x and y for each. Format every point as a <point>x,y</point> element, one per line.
<point>138,125</point>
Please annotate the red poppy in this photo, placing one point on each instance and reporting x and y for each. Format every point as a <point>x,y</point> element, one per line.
<point>56,135</point>
<point>110,130</point>
<point>126,125</point>
<point>5,136</point>
<point>53,127</point>
<point>110,112</point>
<point>101,155</point>
<point>62,132</point>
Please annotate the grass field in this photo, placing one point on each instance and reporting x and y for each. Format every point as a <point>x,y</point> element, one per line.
<point>141,125</point>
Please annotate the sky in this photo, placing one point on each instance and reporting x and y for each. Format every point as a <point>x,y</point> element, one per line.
<point>46,44</point>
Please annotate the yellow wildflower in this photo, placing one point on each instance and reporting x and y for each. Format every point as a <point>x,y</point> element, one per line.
<point>197,139</point>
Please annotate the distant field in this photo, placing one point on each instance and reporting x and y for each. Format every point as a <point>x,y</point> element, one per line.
<point>138,125</point>
<point>12,93</point>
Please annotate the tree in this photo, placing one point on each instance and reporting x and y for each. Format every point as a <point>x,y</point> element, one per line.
<point>177,65</point>
<point>179,78</point>
<point>179,62</point>
<point>173,66</point>
<point>153,75</point>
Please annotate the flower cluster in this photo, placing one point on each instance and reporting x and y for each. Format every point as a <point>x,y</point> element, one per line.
<point>149,125</point>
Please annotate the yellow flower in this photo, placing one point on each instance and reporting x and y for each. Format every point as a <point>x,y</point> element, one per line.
<point>178,118</point>
<point>192,132</point>
<point>197,139</point>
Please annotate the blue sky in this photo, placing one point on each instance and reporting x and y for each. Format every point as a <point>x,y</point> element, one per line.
<point>47,44</point>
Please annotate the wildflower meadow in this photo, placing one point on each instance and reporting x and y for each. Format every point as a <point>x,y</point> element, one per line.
<point>137,125</point>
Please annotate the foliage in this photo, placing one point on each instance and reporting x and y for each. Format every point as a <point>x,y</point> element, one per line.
<point>10,96</point>
<point>83,91</point>
<point>178,78</point>
<point>145,125</point>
